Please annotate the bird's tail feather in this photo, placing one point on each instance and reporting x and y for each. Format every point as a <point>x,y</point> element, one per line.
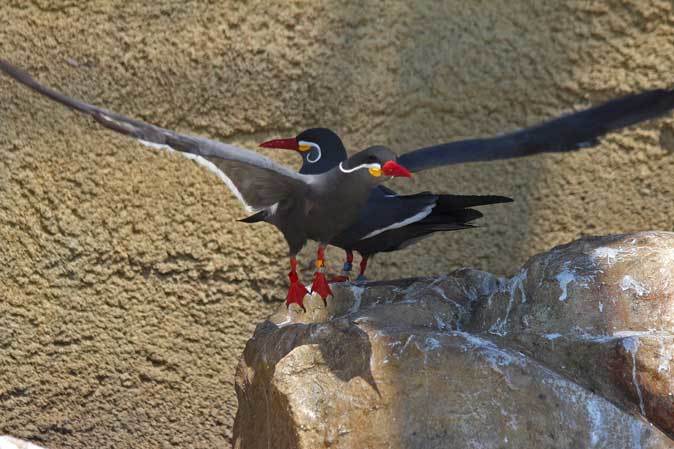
<point>455,219</point>
<point>446,203</point>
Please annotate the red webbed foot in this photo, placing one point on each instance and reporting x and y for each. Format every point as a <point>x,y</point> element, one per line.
<point>297,291</point>
<point>296,294</point>
<point>321,286</point>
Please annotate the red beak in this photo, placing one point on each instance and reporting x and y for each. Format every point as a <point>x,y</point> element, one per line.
<point>284,144</point>
<point>392,168</point>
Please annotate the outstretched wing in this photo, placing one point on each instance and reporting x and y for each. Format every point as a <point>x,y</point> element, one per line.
<point>567,133</point>
<point>257,181</point>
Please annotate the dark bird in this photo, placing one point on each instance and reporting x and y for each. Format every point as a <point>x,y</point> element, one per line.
<point>390,222</point>
<point>342,192</point>
<point>396,226</point>
<point>303,207</point>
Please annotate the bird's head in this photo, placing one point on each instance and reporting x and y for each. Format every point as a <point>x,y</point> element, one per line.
<point>321,149</point>
<point>375,163</point>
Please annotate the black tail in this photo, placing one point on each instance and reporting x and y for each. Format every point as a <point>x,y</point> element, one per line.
<point>454,203</point>
<point>447,221</point>
<point>453,211</point>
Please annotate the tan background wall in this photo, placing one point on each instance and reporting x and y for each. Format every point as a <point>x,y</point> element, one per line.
<point>127,288</point>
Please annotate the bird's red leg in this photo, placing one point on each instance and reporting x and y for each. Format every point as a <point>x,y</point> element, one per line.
<point>363,267</point>
<point>346,269</point>
<point>297,291</point>
<point>320,284</point>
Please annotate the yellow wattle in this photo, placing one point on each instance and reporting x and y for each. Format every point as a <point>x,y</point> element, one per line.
<point>375,171</point>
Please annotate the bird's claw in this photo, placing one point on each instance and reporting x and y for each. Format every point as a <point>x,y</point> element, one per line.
<point>361,278</point>
<point>320,286</point>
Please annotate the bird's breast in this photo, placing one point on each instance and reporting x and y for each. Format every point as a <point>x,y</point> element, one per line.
<point>328,215</point>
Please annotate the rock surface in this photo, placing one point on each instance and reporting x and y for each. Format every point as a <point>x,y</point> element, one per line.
<point>128,290</point>
<point>573,351</point>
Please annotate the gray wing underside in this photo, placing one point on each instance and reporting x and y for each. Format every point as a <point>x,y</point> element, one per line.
<point>259,188</point>
<point>566,133</point>
<point>257,181</point>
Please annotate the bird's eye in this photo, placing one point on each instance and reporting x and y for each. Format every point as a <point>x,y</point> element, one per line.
<point>310,151</point>
<point>372,159</point>
<point>314,155</point>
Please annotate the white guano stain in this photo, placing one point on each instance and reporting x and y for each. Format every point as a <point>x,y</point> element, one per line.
<point>515,284</point>
<point>597,427</point>
<point>665,357</point>
<point>495,356</point>
<point>432,343</point>
<point>566,277</point>
<point>661,336</point>
<point>631,345</point>
<point>606,423</point>
<point>357,298</point>
<point>609,254</point>
<point>629,283</point>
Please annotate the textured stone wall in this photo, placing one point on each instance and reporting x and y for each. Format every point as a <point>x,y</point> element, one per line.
<point>127,288</point>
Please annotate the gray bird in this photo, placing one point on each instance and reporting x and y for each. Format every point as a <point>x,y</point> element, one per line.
<point>398,220</point>
<point>303,207</point>
<point>391,222</point>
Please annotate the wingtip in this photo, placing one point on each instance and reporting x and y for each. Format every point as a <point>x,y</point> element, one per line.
<point>6,67</point>
<point>14,72</point>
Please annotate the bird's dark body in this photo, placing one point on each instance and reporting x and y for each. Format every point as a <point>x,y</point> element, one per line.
<point>449,213</point>
<point>569,132</point>
<point>385,208</point>
<point>327,205</point>
<point>329,214</point>
<point>321,213</point>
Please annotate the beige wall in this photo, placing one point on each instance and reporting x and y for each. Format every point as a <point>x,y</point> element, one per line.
<point>127,286</point>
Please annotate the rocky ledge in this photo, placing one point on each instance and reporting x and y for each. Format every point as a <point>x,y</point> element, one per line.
<point>574,351</point>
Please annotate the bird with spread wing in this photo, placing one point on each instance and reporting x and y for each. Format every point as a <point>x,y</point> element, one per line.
<point>391,222</point>
<point>303,207</point>
<point>331,204</point>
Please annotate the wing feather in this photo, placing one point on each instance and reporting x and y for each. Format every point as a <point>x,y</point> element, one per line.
<point>256,180</point>
<point>566,133</point>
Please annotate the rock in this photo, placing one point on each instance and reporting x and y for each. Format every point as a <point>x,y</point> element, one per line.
<point>573,351</point>
<point>7,442</point>
<point>600,311</point>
